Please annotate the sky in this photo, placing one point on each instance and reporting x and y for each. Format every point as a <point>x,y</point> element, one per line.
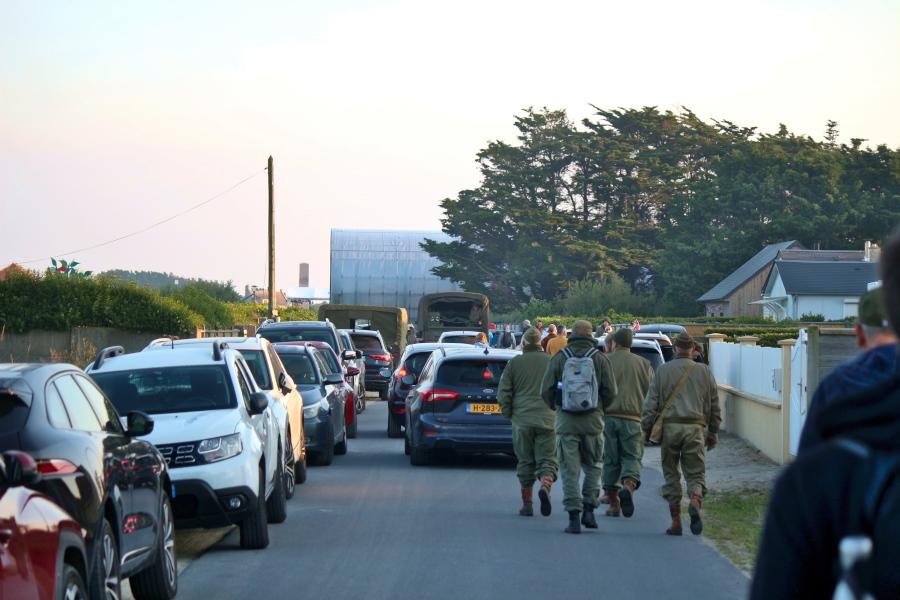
<point>115,116</point>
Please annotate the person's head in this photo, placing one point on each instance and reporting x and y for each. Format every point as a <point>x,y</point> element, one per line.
<point>623,338</point>
<point>532,338</point>
<point>582,329</point>
<point>526,324</point>
<point>552,329</point>
<point>872,328</point>
<point>890,280</point>
<point>539,324</point>
<point>481,337</point>
<point>507,327</point>
<point>697,351</point>
<point>684,345</point>
<point>561,331</point>
<point>605,323</point>
<point>411,327</point>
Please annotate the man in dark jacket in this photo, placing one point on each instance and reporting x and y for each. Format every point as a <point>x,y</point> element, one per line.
<point>812,505</point>
<point>877,363</point>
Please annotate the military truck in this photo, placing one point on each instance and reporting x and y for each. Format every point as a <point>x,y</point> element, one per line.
<point>391,321</point>
<point>452,311</point>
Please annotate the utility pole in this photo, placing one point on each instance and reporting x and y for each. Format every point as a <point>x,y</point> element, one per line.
<point>272,311</point>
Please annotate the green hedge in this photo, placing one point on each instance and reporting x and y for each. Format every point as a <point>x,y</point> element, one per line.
<point>57,302</point>
<point>768,336</point>
<point>249,313</point>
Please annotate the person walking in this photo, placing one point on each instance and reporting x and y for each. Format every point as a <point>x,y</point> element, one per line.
<point>534,441</point>
<point>551,334</point>
<point>559,342</point>
<point>681,413</point>
<point>578,384</point>
<point>507,339</point>
<point>623,446</point>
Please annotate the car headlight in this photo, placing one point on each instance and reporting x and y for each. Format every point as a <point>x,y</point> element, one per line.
<point>220,448</point>
<point>310,412</point>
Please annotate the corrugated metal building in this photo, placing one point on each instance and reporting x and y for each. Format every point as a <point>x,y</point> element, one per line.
<point>384,268</point>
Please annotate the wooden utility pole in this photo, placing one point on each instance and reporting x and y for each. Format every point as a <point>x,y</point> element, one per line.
<point>272,311</point>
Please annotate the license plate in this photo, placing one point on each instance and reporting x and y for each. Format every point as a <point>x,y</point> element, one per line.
<point>484,409</point>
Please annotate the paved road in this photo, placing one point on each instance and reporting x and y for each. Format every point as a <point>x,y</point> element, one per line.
<point>372,526</point>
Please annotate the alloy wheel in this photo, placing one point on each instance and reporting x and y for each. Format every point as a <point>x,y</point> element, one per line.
<point>110,567</point>
<point>169,544</point>
<point>289,463</point>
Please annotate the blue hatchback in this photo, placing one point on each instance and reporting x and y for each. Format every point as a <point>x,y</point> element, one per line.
<point>454,405</point>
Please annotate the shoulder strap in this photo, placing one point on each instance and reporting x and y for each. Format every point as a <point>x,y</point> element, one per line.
<point>567,352</point>
<point>676,389</point>
<point>590,353</point>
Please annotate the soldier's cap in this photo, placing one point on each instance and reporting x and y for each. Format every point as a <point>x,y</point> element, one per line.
<point>623,337</point>
<point>532,337</point>
<point>684,341</point>
<point>871,309</point>
<point>582,328</point>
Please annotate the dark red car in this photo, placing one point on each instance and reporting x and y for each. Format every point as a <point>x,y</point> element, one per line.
<point>42,552</point>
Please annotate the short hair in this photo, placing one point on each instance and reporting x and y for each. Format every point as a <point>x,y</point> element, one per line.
<point>582,328</point>
<point>552,328</point>
<point>890,277</point>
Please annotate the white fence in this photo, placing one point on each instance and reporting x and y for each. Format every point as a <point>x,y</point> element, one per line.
<point>751,369</point>
<point>799,392</point>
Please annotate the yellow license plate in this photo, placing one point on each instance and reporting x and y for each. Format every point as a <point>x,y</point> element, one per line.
<point>485,409</point>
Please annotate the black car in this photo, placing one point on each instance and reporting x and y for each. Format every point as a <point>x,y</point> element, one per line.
<point>379,364</point>
<point>454,405</point>
<point>113,484</point>
<point>324,403</point>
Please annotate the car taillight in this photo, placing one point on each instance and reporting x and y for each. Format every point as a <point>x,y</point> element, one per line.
<point>385,357</point>
<point>55,466</point>
<point>430,395</point>
<point>402,372</point>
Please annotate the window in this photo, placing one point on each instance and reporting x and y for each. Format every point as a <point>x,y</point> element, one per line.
<point>277,363</point>
<point>56,412</point>
<point>368,342</point>
<point>323,364</point>
<point>301,368</point>
<point>471,373</point>
<point>168,389</point>
<point>77,406</point>
<point>296,334</point>
<point>331,361</point>
<point>257,365</point>
<point>244,386</point>
<point>103,410</point>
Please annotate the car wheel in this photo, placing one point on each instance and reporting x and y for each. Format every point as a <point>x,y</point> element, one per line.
<point>326,456</point>
<point>159,581</point>
<point>362,398</point>
<point>73,587</point>
<point>105,582</point>
<point>300,470</point>
<point>341,447</point>
<point>290,470</point>
<point>406,446</point>
<point>383,394</point>
<point>419,456</point>
<point>276,505</point>
<point>393,428</point>
<point>255,527</point>
<point>352,427</point>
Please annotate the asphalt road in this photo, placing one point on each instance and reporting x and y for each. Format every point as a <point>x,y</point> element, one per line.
<point>372,526</point>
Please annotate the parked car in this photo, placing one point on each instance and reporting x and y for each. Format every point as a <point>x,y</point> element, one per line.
<point>647,349</point>
<point>215,428</point>
<point>378,360</point>
<point>404,378</point>
<point>271,379</point>
<point>454,405</point>
<point>665,344</point>
<point>318,331</point>
<point>669,329</point>
<point>42,554</point>
<point>325,405</point>
<point>114,485</point>
<point>459,337</point>
<point>360,365</point>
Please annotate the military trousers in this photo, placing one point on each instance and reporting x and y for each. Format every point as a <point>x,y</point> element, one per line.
<point>683,446</point>
<point>623,450</point>
<point>577,453</point>
<point>535,449</point>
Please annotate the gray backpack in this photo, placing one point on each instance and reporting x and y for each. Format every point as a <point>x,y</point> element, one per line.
<point>579,384</point>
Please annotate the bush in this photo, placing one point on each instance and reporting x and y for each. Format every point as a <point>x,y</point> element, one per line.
<point>598,297</point>
<point>57,302</point>
<point>215,314</point>
<point>250,313</point>
<point>812,317</point>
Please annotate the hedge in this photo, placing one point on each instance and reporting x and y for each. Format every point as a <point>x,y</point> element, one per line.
<point>58,302</point>
<point>249,313</point>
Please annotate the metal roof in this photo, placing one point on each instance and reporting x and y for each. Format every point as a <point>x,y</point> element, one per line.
<point>817,278</point>
<point>823,255</point>
<point>747,270</point>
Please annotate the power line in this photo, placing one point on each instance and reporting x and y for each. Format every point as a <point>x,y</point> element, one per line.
<point>149,227</point>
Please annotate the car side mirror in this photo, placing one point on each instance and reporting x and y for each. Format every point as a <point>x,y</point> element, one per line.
<point>258,403</point>
<point>352,371</point>
<point>21,469</point>
<point>334,379</point>
<point>139,424</point>
<point>408,380</point>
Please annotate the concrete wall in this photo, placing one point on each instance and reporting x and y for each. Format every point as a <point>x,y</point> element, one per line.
<point>755,419</point>
<point>834,308</point>
<point>78,346</point>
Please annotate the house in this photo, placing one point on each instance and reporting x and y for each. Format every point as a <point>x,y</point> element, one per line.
<point>261,296</point>
<point>13,268</point>
<point>819,285</point>
<point>734,295</point>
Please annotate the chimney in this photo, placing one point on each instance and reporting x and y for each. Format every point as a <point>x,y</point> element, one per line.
<point>873,252</point>
<point>304,274</point>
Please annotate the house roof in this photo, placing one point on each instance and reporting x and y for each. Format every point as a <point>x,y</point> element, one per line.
<point>822,255</point>
<point>818,278</point>
<point>747,270</point>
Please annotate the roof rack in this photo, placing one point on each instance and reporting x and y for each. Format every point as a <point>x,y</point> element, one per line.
<point>160,341</point>
<point>218,347</point>
<point>108,352</point>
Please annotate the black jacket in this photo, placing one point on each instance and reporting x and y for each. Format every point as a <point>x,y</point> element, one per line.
<point>810,509</point>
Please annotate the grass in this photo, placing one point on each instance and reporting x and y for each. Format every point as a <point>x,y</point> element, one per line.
<point>733,521</point>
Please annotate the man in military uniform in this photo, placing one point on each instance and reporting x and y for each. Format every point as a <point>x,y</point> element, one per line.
<point>580,434</point>
<point>534,440</point>
<point>683,393</point>
<point>623,446</point>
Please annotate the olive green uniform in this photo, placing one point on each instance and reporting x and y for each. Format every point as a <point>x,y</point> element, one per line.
<point>580,435</point>
<point>519,395</point>
<point>693,410</point>
<point>623,446</point>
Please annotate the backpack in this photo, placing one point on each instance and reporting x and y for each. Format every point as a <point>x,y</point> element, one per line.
<point>871,511</point>
<point>579,384</point>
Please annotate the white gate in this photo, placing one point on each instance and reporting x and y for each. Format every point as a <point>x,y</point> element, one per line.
<point>798,390</point>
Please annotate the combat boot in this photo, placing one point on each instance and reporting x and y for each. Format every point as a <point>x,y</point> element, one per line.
<point>694,512</point>
<point>544,494</point>
<point>626,496</point>
<point>604,499</point>
<point>675,513</point>
<point>587,517</point>
<point>574,522</point>
<point>527,509</point>
<point>614,506</point>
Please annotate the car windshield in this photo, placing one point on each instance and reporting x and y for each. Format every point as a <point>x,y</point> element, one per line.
<point>257,363</point>
<point>650,354</point>
<point>471,373</point>
<point>296,334</point>
<point>458,339</point>
<point>367,342</point>
<point>299,367</point>
<point>168,389</point>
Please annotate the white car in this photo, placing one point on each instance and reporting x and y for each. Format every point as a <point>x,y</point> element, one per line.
<point>214,427</point>
<point>273,380</point>
<point>459,337</point>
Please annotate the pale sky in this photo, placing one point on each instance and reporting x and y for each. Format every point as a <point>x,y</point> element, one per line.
<point>115,115</point>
